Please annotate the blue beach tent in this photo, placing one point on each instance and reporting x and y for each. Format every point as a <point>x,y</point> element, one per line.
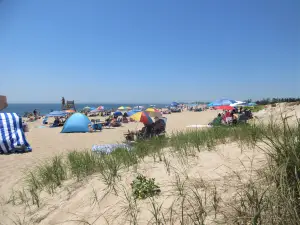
<point>12,137</point>
<point>77,123</point>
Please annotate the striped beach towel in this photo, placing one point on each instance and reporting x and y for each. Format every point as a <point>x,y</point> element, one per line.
<point>108,148</point>
<point>12,137</point>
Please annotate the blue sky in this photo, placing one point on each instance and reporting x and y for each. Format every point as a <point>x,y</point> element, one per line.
<point>117,51</point>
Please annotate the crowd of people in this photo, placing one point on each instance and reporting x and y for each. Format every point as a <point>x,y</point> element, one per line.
<point>241,115</point>
<point>157,128</point>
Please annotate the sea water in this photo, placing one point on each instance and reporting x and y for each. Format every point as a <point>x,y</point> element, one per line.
<point>20,109</point>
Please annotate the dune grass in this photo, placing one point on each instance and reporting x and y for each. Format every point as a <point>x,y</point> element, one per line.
<point>271,197</point>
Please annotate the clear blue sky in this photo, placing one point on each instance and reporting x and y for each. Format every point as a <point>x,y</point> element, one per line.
<point>148,50</point>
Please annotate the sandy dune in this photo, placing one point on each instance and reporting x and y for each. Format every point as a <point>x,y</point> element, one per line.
<point>74,202</point>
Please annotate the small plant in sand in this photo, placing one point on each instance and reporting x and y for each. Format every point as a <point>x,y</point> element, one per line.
<point>143,188</point>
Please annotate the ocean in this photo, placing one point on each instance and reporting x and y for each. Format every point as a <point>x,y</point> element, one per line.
<point>20,109</point>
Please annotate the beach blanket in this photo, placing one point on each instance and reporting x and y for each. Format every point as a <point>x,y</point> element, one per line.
<point>108,148</point>
<point>198,126</point>
<point>12,137</point>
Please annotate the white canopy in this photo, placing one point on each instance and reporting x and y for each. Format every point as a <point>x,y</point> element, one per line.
<point>237,103</point>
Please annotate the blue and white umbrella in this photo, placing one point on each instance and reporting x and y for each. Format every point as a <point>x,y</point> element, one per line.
<point>222,101</point>
<point>57,114</point>
<point>118,113</point>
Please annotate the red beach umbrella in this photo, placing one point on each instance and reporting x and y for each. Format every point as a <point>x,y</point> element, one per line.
<point>224,107</point>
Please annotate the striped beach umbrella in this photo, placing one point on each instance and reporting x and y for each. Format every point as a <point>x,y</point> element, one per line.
<point>131,112</point>
<point>153,112</point>
<point>142,117</point>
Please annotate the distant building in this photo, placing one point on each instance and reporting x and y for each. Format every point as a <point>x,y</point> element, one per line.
<point>3,102</point>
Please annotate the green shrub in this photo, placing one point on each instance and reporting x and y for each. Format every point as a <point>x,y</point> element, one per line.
<point>143,188</point>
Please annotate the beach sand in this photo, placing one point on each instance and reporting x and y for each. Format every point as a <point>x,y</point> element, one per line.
<point>72,202</point>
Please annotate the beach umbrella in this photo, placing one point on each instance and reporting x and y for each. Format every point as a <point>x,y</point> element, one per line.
<point>174,104</point>
<point>101,108</point>
<point>153,112</point>
<point>238,103</point>
<point>142,117</point>
<point>86,109</point>
<point>122,108</point>
<point>224,107</point>
<point>118,113</point>
<point>57,114</point>
<point>95,111</point>
<point>131,112</point>
<point>222,101</point>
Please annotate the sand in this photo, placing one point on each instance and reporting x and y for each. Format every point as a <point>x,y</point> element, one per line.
<point>73,201</point>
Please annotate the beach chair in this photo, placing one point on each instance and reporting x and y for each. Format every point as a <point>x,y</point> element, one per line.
<point>45,120</point>
<point>129,136</point>
<point>97,126</point>
<point>242,119</point>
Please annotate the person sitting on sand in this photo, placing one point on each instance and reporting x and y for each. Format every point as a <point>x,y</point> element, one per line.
<point>146,131</point>
<point>217,121</point>
<point>234,116</point>
<point>56,122</point>
<point>228,118</point>
<point>114,122</point>
<point>90,128</point>
<point>159,126</point>
<point>124,119</point>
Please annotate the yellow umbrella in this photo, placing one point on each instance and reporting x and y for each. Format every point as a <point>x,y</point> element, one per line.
<point>124,108</point>
<point>154,112</point>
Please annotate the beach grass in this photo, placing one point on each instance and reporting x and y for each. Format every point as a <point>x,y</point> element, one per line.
<point>272,196</point>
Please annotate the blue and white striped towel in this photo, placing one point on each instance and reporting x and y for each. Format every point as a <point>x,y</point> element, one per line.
<point>12,137</point>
